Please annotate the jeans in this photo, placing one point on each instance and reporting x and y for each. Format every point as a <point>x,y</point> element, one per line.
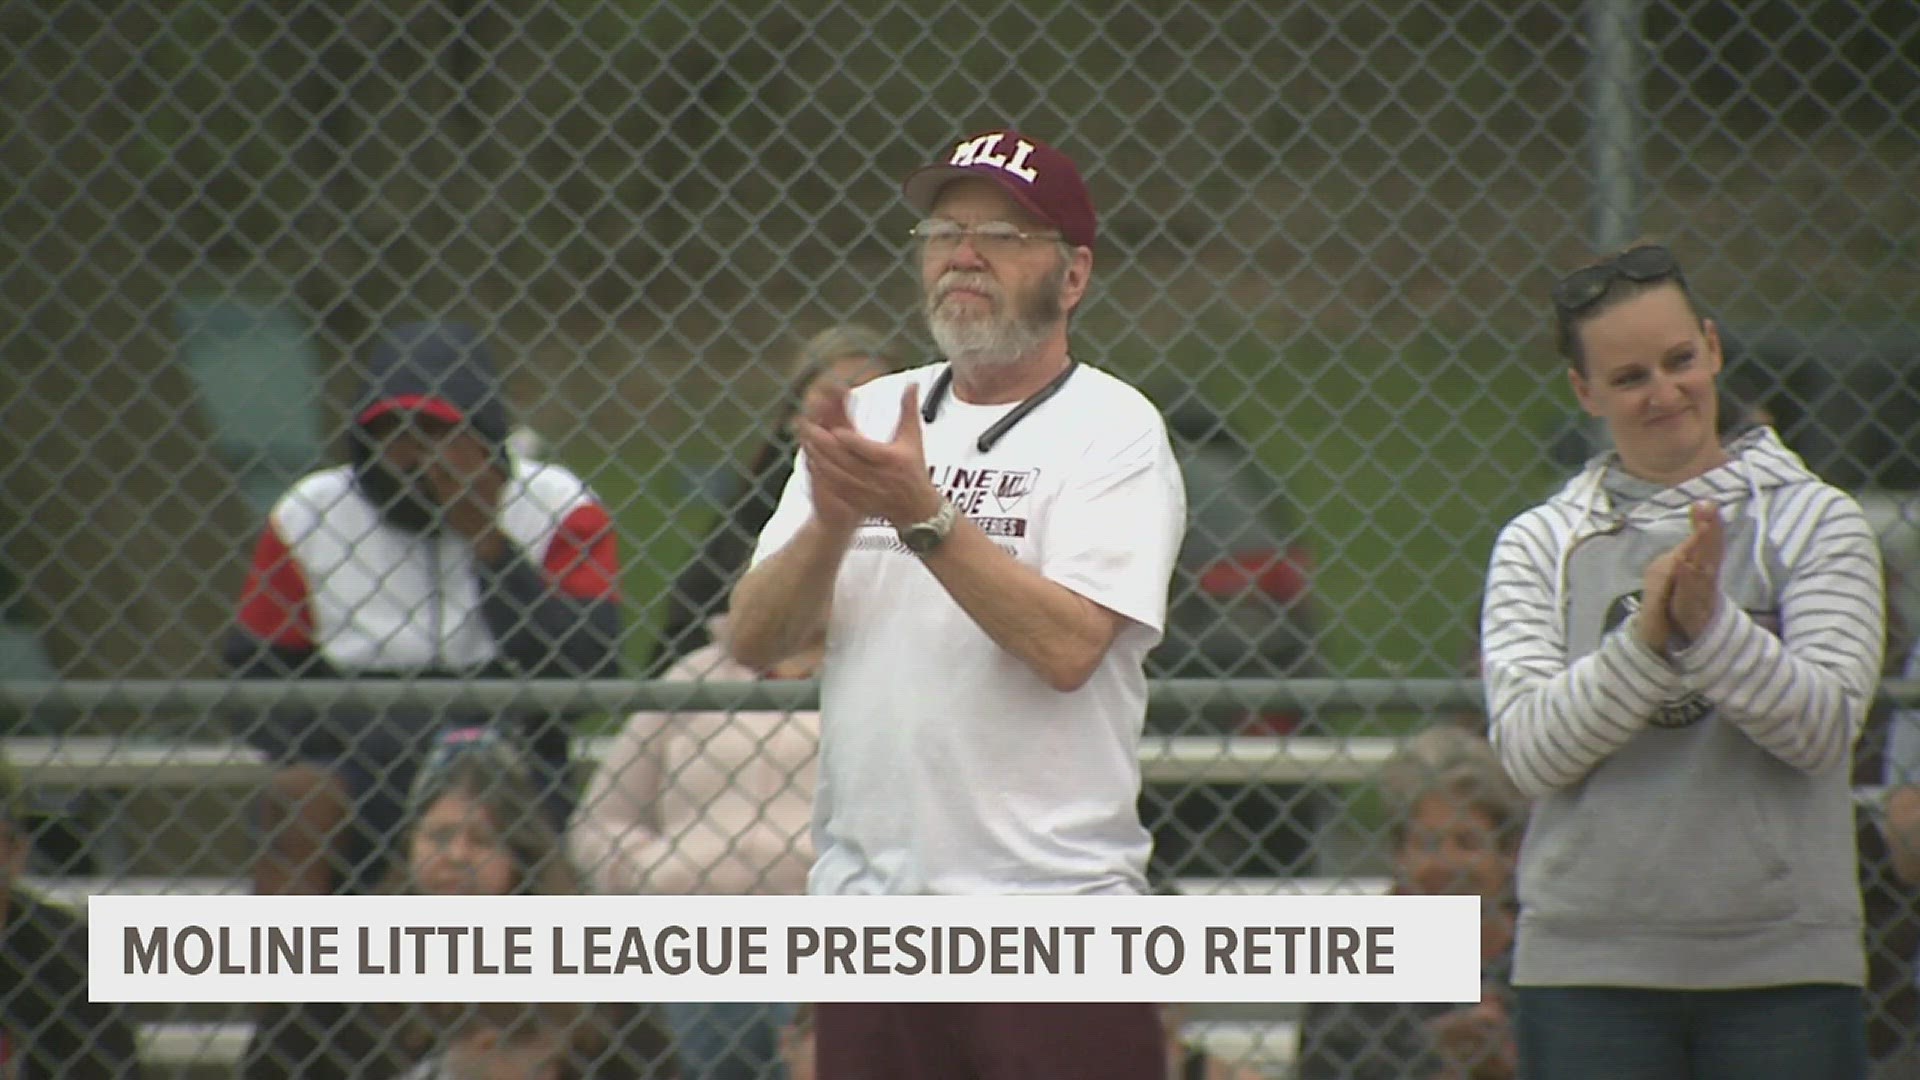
<point>1779,1033</point>
<point>727,1040</point>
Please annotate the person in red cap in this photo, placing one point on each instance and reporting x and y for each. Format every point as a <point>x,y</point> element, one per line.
<point>985,546</point>
<point>437,553</point>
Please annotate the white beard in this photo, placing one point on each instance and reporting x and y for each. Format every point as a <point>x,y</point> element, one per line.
<point>998,338</point>
<point>984,343</point>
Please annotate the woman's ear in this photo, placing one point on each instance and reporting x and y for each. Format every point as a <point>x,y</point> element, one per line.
<point>1583,391</point>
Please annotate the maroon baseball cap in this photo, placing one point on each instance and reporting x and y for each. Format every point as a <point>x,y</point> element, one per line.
<point>1038,177</point>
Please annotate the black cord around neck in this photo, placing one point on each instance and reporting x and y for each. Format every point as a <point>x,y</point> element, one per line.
<point>931,408</point>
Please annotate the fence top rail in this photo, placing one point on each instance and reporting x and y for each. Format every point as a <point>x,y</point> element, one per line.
<point>627,695</point>
<point>624,695</point>
<point>104,761</point>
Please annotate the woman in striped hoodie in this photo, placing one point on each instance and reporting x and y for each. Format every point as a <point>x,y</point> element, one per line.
<point>1679,650</point>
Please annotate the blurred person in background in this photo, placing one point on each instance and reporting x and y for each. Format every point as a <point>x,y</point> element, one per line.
<point>1457,821</point>
<point>701,804</point>
<point>983,547</point>
<point>1902,778</point>
<point>1469,719</point>
<point>500,1041</point>
<point>1680,649</point>
<point>49,1030</point>
<point>1900,877</point>
<point>478,828</point>
<point>1239,608</point>
<point>837,358</point>
<point>796,1043</point>
<point>435,554</point>
<point>1185,1061</point>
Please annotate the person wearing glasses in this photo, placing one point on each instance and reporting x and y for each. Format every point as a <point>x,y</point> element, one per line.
<point>984,546</point>
<point>476,825</point>
<point>436,553</point>
<point>1455,823</point>
<point>1679,649</point>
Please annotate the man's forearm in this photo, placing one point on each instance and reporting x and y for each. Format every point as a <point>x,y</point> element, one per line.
<point>780,607</point>
<point>1055,631</point>
<point>547,632</point>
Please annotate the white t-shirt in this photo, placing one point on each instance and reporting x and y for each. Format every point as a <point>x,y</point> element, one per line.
<point>947,765</point>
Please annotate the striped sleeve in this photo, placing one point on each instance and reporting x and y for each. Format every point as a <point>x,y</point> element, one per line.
<point>1552,721</point>
<point>1803,695</point>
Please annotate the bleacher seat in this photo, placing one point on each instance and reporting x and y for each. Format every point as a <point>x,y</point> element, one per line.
<point>1267,1046</point>
<point>72,892</point>
<point>192,1044</point>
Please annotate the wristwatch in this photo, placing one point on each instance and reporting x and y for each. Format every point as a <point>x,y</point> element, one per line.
<point>927,535</point>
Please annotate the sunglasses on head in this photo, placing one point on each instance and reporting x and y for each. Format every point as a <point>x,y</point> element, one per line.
<point>1586,286</point>
<point>467,743</point>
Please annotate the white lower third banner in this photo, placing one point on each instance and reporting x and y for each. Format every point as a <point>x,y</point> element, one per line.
<point>783,948</point>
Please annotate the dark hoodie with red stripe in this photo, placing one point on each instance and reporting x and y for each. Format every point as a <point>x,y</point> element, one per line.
<point>356,575</point>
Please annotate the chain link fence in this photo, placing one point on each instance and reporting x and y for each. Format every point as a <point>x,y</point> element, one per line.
<point>1327,233</point>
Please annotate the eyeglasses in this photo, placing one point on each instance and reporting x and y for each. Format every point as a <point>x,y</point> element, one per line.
<point>990,238</point>
<point>1586,286</point>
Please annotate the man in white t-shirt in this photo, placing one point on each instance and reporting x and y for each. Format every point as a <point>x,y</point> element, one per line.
<point>985,547</point>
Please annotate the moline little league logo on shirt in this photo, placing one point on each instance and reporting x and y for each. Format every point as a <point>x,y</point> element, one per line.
<point>1689,710</point>
<point>990,497</point>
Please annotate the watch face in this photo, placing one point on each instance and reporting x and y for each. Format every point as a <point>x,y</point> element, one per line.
<point>927,535</point>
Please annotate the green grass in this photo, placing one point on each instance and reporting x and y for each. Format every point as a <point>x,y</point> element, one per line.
<point>659,528</point>
<point>1402,464</point>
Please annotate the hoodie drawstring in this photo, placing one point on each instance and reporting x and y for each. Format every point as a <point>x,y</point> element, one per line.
<point>1588,500</point>
<point>1759,528</point>
<point>1588,503</point>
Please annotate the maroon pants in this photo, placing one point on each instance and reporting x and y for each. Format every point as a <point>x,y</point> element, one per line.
<point>989,1041</point>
